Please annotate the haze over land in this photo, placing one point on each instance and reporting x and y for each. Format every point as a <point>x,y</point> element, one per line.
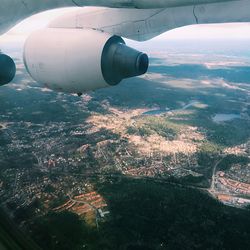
<point>147,164</point>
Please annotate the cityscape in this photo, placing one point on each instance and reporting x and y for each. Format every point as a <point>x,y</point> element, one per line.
<point>114,157</point>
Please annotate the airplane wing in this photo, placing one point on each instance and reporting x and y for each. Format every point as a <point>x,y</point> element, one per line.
<point>144,24</point>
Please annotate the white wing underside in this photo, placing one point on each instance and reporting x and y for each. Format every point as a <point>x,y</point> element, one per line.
<point>144,24</point>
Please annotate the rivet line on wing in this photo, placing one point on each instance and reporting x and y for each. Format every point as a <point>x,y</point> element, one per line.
<point>73,1</point>
<point>196,18</point>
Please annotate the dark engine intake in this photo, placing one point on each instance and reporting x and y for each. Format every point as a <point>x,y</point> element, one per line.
<point>7,69</point>
<point>120,61</point>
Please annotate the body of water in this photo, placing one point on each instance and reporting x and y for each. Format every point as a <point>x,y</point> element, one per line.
<point>166,110</point>
<point>225,117</point>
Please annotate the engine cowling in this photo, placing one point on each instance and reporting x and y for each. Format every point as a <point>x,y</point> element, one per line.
<point>79,60</point>
<point>7,69</point>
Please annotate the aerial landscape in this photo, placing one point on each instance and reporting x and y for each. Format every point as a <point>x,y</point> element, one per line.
<point>158,162</point>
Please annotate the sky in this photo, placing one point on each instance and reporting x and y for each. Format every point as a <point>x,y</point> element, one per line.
<point>196,32</point>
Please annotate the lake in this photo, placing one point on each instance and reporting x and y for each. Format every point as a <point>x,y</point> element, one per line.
<point>225,117</point>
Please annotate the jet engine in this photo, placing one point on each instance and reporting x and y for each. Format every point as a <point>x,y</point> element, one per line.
<point>79,60</point>
<point>7,69</point>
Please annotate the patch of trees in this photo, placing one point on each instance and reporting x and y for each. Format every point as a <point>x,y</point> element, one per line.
<point>62,231</point>
<point>229,160</point>
<point>168,217</point>
<point>149,215</point>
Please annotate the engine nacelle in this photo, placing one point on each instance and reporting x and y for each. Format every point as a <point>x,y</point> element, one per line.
<point>7,69</point>
<point>79,60</point>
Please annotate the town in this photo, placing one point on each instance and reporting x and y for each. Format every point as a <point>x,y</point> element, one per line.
<point>61,182</point>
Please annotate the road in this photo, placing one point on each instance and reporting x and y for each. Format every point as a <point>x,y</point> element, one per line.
<point>212,187</point>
